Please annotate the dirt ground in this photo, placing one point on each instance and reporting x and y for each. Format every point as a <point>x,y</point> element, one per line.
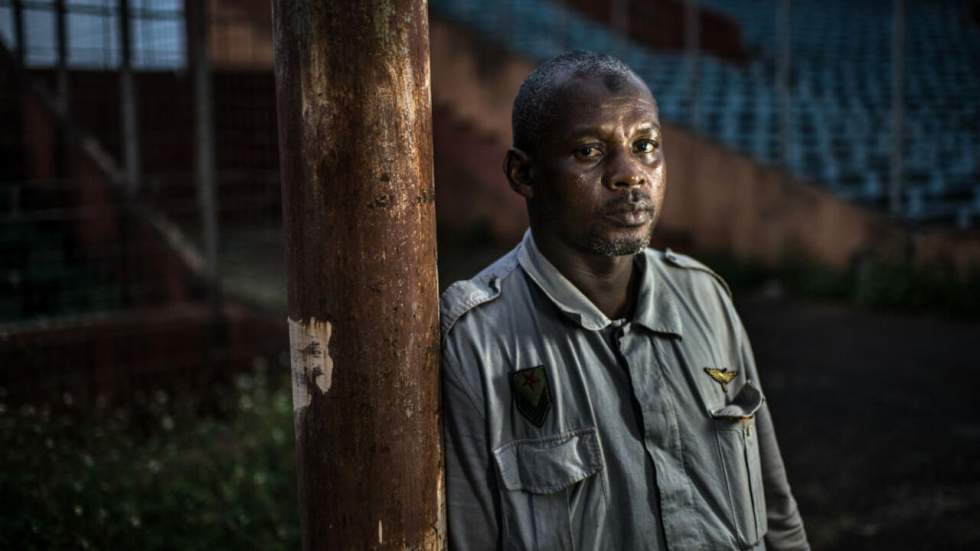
<point>877,416</point>
<point>877,413</point>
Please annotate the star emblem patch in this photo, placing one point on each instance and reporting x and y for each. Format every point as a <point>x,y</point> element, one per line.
<point>531,394</point>
<point>721,376</point>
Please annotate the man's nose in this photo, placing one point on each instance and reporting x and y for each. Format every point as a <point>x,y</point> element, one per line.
<point>625,172</point>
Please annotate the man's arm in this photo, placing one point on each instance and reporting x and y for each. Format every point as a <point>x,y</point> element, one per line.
<point>786,532</point>
<point>471,498</point>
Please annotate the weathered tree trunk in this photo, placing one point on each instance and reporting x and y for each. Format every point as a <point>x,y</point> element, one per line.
<point>355,142</point>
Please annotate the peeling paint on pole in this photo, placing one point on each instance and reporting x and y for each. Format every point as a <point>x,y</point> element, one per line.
<point>355,142</point>
<point>309,355</point>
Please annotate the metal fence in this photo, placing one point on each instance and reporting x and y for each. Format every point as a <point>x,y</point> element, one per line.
<point>133,137</point>
<point>138,150</point>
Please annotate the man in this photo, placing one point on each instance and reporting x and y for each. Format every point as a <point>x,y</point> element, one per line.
<point>600,395</point>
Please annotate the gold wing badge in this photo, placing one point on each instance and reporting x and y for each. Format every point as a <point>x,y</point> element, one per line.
<point>721,376</point>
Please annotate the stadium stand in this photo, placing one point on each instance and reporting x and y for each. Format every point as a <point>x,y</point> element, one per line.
<point>841,135</point>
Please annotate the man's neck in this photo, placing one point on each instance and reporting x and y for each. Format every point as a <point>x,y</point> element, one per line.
<point>608,281</point>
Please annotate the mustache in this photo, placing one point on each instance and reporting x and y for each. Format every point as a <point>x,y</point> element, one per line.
<point>635,202</point>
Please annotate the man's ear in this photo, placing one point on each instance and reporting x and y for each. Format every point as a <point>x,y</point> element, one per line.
<point>517,168</point>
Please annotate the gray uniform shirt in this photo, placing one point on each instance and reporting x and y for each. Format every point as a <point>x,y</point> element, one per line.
<point>567,430</point>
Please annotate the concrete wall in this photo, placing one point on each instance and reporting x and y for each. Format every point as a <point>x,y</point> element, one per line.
<point>110,356</point>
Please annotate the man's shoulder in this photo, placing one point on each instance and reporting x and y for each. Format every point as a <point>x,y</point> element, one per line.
<point>680,267</point>
<point>487,286</point>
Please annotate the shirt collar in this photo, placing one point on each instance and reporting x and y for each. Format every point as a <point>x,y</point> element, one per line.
<point>656,301</point>
<point>655,309</point>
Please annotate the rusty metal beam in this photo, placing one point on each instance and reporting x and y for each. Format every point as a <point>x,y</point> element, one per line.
<point>20,38</point>
<point>355,142</point>
<point>895,172</point>
<point>619,20</point>
<point>198,57</point>
<point>692,47</point>
<point>127,95</point>
<point>784,30</point>
<point>61,40</point>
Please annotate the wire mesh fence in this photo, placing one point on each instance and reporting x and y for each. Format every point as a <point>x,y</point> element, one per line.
<point>803,86</point>
<point>109,274</point>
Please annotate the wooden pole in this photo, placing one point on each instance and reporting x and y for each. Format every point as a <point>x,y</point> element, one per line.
<point>355,142</point>
<point>127,93</point>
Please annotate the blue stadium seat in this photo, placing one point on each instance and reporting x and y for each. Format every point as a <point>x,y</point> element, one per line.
<point>841,72</point>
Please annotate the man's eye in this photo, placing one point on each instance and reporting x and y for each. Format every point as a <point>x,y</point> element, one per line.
<point>588,152</point>
<point>645,146</point>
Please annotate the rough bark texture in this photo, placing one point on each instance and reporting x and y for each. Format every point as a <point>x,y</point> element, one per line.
<point>355,142</point>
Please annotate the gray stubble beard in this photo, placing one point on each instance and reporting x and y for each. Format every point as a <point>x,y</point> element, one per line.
<point>618,246</point>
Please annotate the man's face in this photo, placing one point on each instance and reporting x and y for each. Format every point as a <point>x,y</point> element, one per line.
<point>599,173</point>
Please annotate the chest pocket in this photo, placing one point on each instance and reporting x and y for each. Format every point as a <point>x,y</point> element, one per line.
<point>738,447</point>
<point>538,477</point>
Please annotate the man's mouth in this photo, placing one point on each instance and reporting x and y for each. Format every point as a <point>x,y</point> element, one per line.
<point>630,216</point>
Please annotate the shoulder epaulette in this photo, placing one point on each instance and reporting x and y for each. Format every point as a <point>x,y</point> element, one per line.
<point>688,263</point>
<point>463,296</point>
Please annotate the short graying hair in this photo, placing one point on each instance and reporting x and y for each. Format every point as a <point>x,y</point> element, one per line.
<point>534,104</point>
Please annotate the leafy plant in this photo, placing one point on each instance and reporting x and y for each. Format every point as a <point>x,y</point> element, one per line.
<point>162,476</point>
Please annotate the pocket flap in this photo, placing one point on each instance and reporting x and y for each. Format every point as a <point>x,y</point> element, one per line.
<point>547,465</point>
<point>748,400</point>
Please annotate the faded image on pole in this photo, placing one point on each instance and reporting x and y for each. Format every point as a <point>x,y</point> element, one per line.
<point>355,139</point>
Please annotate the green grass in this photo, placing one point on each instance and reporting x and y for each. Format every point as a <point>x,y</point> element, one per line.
<point>190,472</point>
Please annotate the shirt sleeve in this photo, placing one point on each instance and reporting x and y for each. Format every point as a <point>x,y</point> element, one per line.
<point>786,532</point>
<point>471,496</point>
